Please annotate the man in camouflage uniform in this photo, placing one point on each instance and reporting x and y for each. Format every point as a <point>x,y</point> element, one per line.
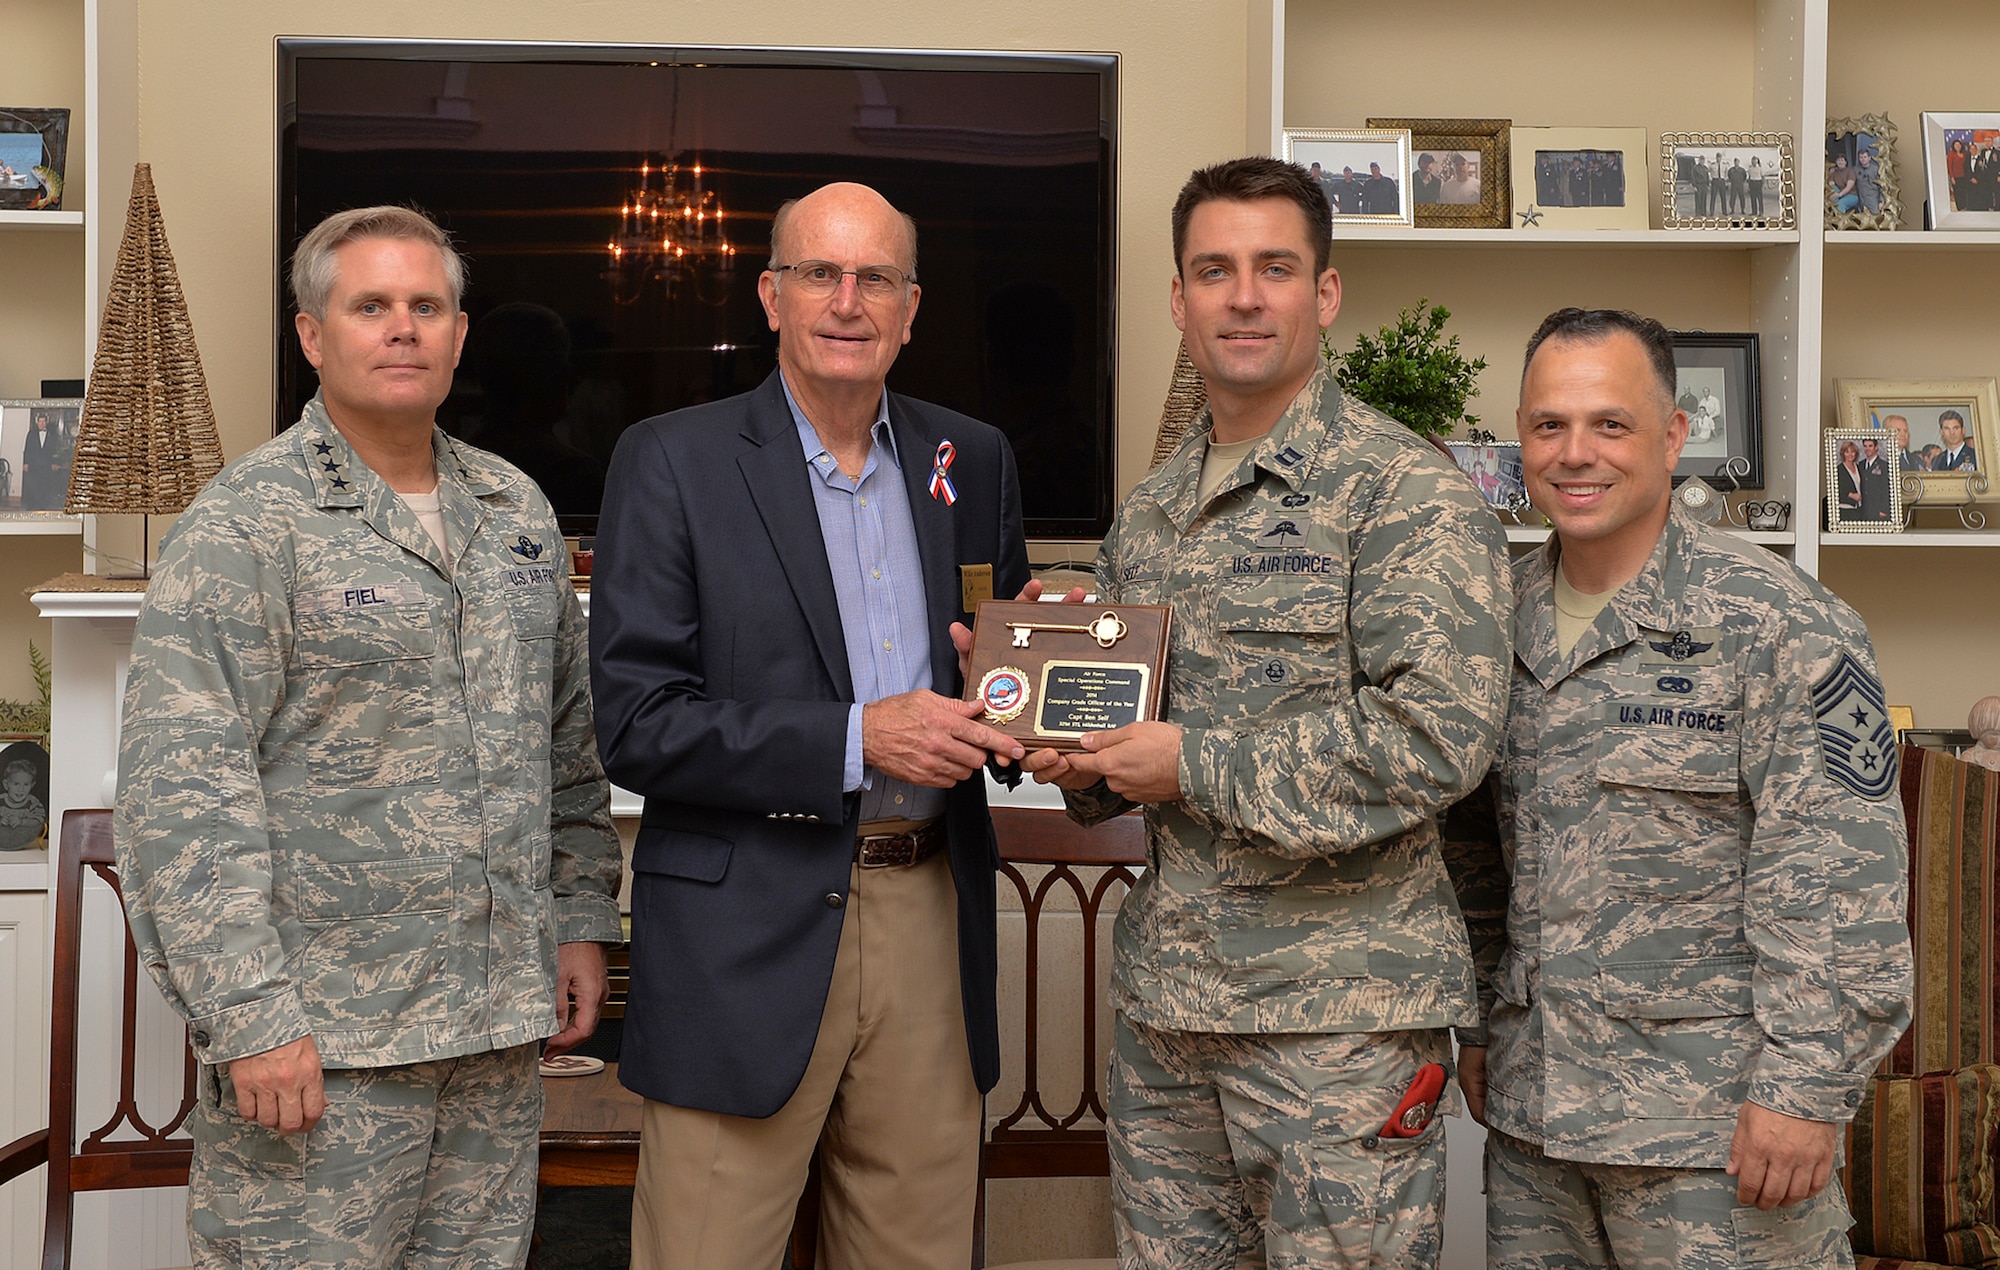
<point>1703,953</point>
<point>1290,959</point>
<point>359,799</point>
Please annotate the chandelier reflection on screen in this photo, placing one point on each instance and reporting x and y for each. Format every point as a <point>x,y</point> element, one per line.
<point>670,231</point>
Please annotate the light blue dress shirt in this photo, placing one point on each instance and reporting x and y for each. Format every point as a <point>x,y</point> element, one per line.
<point>878,581</point>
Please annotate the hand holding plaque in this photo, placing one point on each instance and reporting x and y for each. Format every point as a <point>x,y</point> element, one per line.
<point>1049,673</point>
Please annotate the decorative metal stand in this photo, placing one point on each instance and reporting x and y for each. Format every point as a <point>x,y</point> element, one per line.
<point>1766,515</point>
<point>1924,486</point>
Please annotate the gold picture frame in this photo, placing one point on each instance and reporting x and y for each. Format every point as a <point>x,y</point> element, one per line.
<point>1922,405</point>
<point>1848,138</point>
<point>1575,150</point>
<point>1479,143</point>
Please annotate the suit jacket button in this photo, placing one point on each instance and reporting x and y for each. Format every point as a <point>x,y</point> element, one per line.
<point>201,1039</point>
<point>835,899</point>
<point>813,819</point>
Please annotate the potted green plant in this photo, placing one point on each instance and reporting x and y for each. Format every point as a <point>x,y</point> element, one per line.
<point>1411,371</point>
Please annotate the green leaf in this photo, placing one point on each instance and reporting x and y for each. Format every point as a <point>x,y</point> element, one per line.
<point>1410,371</point>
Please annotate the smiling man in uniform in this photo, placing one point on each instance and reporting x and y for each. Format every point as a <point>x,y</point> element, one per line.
<point>1285,969</point>
<point>1703,954</point>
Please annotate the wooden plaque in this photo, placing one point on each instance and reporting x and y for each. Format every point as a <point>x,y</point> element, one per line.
<point>1049,673</point>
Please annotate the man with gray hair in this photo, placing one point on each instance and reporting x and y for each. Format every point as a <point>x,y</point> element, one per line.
<point>360,802</point>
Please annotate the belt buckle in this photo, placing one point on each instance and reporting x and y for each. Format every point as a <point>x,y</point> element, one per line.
<point>888,851</point>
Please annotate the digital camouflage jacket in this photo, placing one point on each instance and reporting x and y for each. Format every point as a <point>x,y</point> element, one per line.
<point>359,793</point>
<point>1699,817</point>
<point>1338,667</point>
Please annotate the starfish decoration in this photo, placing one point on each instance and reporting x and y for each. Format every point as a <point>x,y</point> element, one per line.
<point>1530,217</point>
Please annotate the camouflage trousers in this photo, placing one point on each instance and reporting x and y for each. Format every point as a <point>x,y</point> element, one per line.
<point>424,1165</point>
<point>1233,1151</point>
<point>1544,1214</point>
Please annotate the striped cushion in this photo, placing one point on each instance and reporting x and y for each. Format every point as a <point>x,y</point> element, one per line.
<point>1921,1170</point>
<point>1952,809</point>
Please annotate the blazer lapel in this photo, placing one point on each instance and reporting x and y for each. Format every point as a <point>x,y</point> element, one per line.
<point>775,471</point>
<point>937,540</point>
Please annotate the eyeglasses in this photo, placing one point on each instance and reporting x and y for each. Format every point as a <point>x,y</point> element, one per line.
<point>822,278</point>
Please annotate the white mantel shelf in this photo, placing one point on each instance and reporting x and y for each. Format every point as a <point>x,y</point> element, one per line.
<point>116,605</point>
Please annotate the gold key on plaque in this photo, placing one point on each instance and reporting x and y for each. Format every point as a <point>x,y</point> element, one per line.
<point>1106,630</point>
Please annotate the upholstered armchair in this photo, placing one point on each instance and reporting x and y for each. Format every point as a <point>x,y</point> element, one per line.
<point>1921,1154</point>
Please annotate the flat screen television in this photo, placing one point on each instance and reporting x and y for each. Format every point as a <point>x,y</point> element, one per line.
<point>538,159</point>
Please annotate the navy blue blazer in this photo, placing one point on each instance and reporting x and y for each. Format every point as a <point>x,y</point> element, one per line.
<point>722,690</point>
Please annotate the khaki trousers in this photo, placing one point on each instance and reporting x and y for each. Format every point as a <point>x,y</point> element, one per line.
<point>888,1095</point>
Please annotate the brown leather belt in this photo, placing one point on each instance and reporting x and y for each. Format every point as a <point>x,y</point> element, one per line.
<point>898,850</point>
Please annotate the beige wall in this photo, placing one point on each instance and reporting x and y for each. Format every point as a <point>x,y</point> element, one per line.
<point>41,304</point>
<point>1934,613</point>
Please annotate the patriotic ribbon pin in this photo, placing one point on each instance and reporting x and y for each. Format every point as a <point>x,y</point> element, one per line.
<point>940,480</point>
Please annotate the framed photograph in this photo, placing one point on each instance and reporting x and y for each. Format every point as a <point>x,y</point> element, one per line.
<point>1494,468</point>
<point>1862,191</point>
<point>1864,488</point>
<point>37,438</point>
<point>34,143</point>
<point>1940,430</point>
<point>1716,382</point>
<point>24,793</point>
<point>1364,171</point>
<point>1952,741</point>
<point>1459,171</point>
<point>1962,169</point>
<point>1579,178</point>
<point>1727,180</point>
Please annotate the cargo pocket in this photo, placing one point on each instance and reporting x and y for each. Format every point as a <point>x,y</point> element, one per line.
<point>1381,1199</point>
<point>374,944</point>
<point>368,695</point>
<point>1284,643</point>
<point>1808,1234</point>
<point>1284,921</point>
<point>1676,798</point>
<point>1683,1035</point>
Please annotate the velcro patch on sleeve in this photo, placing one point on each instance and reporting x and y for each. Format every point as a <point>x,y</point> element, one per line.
<point>1855,738</point>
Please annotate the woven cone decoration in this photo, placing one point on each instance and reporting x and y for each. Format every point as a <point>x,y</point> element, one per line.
<point>147,440</point>
<point>1186,395</point>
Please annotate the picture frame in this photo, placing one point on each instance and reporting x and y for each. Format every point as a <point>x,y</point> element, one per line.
<point>24,793</point>
<point>1971,198</point>
<point>1618,200</point>
<point>1717,380</point>
<point>34,467</point>
<point>1952,741</point>
<point>1699,188</point>
<point>34,146</point>
<point>1922,405</point>
<point>1350,164</point>
<point>1494,468</point>
<point>1467,160</point>
<point>1860,500</point>
<point>1861,145</point>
